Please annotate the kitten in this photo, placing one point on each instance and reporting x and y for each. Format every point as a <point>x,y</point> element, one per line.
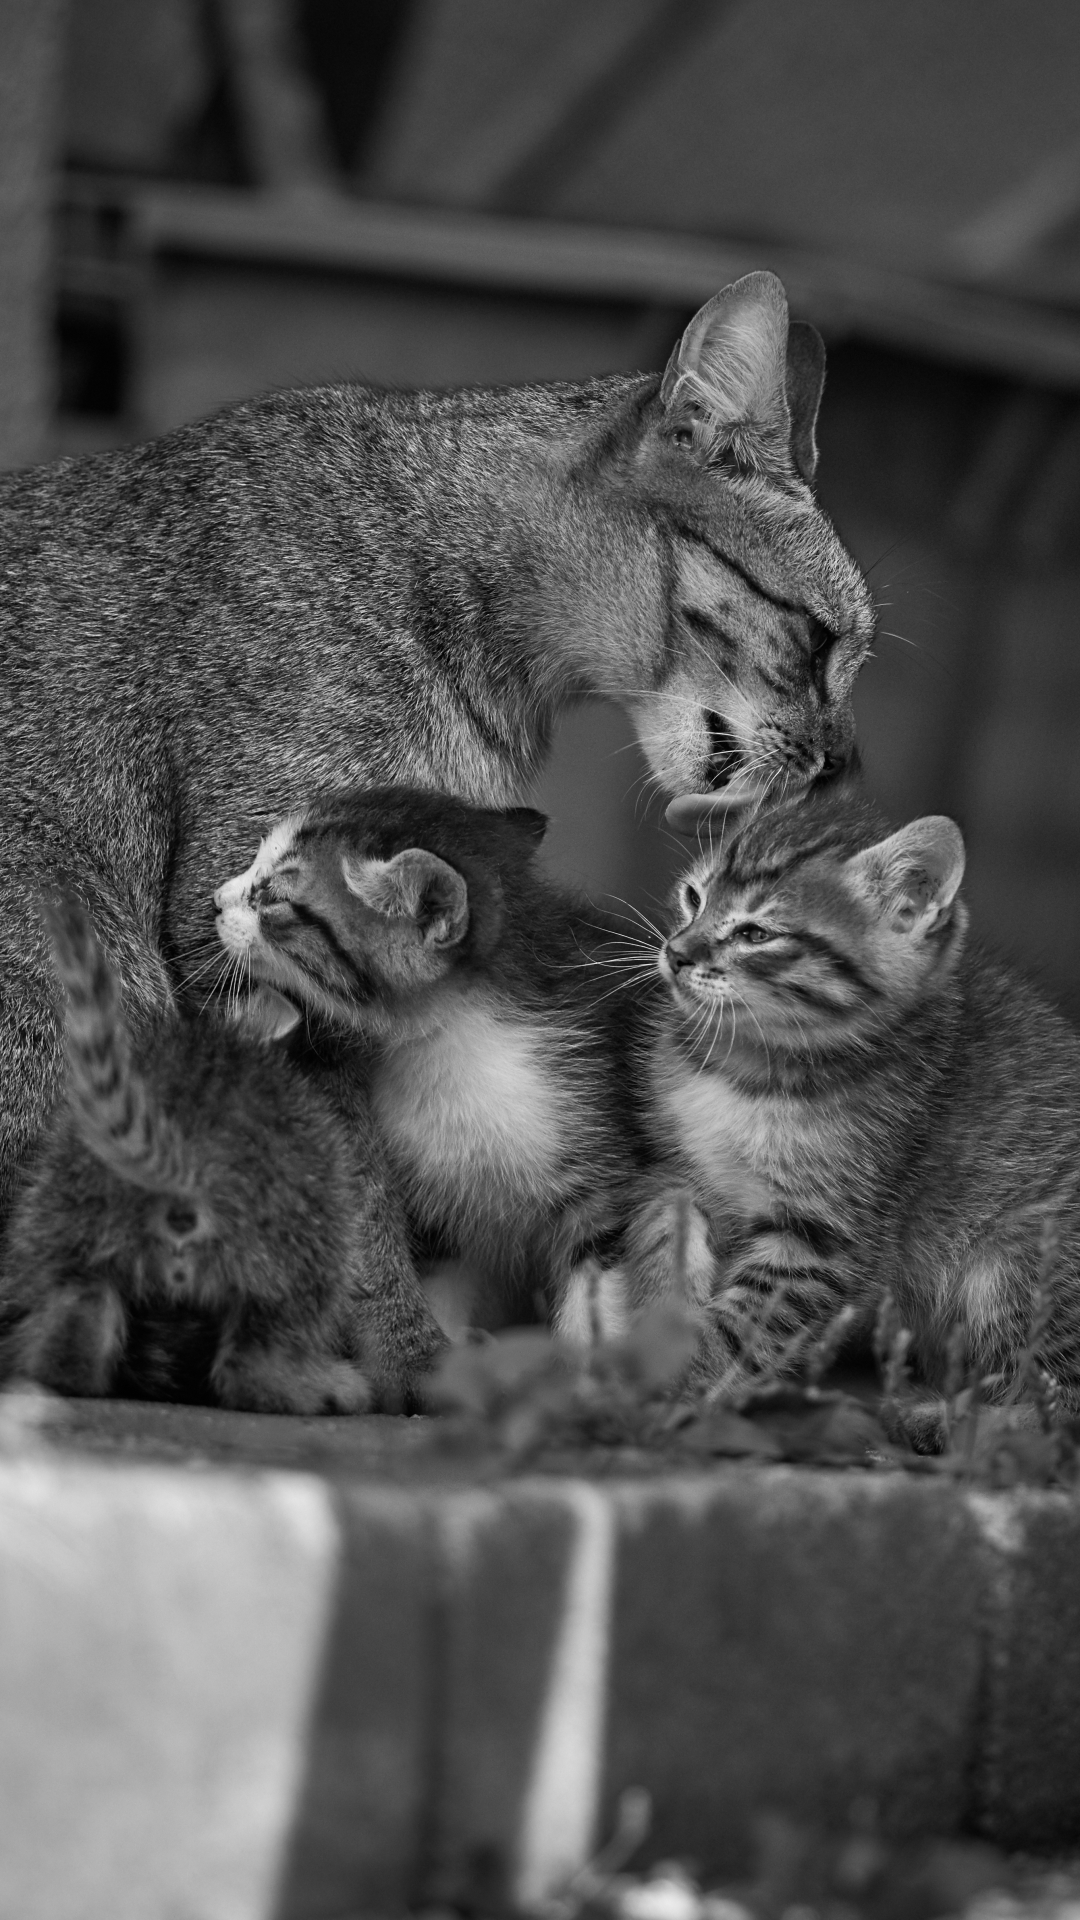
<point>499,1082</point>
<point>351,586</point>
<point>856,1099</point>
<point>197,1225</point>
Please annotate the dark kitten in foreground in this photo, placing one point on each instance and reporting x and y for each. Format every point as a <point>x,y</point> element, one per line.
<point>499,1083</point>
<point>857,1099</point>
<point>198,1224</point>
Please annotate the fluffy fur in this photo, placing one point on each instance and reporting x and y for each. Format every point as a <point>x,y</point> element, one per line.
<point>344,586</point>
<point>499,1083</point>
<point>198,1224</point>
<point>856,1099</point>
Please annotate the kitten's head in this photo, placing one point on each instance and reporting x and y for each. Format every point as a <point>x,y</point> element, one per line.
<point>813,929</point>
<point>364,903</point>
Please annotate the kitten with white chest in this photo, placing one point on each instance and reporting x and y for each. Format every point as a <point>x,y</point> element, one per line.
<point>855,1098</point>
<point>499,1073</point>
<point>199,1223</point>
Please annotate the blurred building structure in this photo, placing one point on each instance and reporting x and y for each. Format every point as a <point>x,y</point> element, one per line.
<point>258,193</point>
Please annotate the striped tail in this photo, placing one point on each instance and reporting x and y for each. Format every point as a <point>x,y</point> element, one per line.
<point>106,1094</point>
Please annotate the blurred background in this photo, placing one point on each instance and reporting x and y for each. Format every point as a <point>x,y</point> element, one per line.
<point>201,199</point>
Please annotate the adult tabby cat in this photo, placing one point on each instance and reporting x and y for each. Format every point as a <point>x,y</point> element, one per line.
<point>855,1098</point>
<point>199,1223</point>
<point>345,586</point>
<point>500,1081</point>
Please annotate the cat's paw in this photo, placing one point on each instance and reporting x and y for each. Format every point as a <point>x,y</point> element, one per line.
<point>344,1389</point>
<point>593,1306</point>
<point>919,1422</point>
<point>280,1381</point>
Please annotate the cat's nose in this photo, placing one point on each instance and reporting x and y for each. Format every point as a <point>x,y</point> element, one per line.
<point>677,958</point>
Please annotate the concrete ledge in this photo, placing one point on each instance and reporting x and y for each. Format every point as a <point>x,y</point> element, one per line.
<point>235,1690</point>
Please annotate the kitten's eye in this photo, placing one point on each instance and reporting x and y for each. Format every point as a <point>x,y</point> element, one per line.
<point>754,934</point>
<point>691,898</point>
<point>683,436</point>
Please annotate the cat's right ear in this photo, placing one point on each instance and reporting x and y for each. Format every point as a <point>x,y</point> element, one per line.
<point>727,383</point>
<point>913,876</point>
<point>415,885</point>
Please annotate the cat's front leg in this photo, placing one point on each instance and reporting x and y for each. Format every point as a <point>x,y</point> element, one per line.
<point>673,1254</point>
<point>777,1296</point>
<point>589,1291</point>
<point>71,1341</point>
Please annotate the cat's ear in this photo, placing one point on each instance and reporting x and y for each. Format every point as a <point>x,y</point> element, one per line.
<point>415,885</point>
<point>528,821</point>
<point>266,1015</point>
<point>805,384</point>
<point>726,384</point>
<point>913,876</point>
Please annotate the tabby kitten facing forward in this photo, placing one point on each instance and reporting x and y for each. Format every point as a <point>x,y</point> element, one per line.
<point>857,1100</point>
<point>499,1082</point>
<point>197,1225</point>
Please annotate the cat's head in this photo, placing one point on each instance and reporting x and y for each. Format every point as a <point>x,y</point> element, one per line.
<point>767,618</point>
<point>363,904</point>
<point>813,929</point>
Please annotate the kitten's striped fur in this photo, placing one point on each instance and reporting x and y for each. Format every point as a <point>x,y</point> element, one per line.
<point>199,1223</point>
<point>107,1097</point>
<point>856,1099</point>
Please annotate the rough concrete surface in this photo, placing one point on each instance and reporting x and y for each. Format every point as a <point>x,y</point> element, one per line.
<point>262,1669</point>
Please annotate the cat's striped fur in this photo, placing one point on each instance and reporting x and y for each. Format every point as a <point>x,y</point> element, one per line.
<point>856,1099</point>
<point>500,1079</point>
<point>198,1223</point>
<point>348,586</point>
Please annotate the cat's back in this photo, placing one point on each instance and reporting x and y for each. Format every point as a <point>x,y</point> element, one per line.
<point>1009,1110</point>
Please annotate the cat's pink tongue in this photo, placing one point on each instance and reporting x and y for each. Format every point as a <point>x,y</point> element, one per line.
<point>689,811</point>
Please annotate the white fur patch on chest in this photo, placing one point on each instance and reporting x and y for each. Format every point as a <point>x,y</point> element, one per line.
<point>748,1149</point>
<point>984,1295</point>
<point>476,1115</point>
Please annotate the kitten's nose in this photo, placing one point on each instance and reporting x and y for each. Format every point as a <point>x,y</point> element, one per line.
<point>677,957</point>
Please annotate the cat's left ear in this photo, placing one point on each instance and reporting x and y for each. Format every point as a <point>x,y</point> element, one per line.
<point>415,885</point>
<point>913,876</point>
<point>741,377</point>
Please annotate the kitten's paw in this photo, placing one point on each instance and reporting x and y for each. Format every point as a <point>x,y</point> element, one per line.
<point>283,1382</point>
<point>593,1307</point>
<point>920,1423</point>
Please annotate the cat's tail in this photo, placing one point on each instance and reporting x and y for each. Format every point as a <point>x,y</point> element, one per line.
<point>107,1096</point>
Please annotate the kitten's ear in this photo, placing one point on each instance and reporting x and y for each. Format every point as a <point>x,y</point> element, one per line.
<point>805,382</point>
<point>913,876</point>
<point>266,1015</point>
<point>727,380</point>
<point>415,885</point>
<point>528,821</point>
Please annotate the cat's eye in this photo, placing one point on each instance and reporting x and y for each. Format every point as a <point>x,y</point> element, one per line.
<point>822,643</point>
<point>683,437</point>
<point>753,933</point>
<point>691,898</point>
